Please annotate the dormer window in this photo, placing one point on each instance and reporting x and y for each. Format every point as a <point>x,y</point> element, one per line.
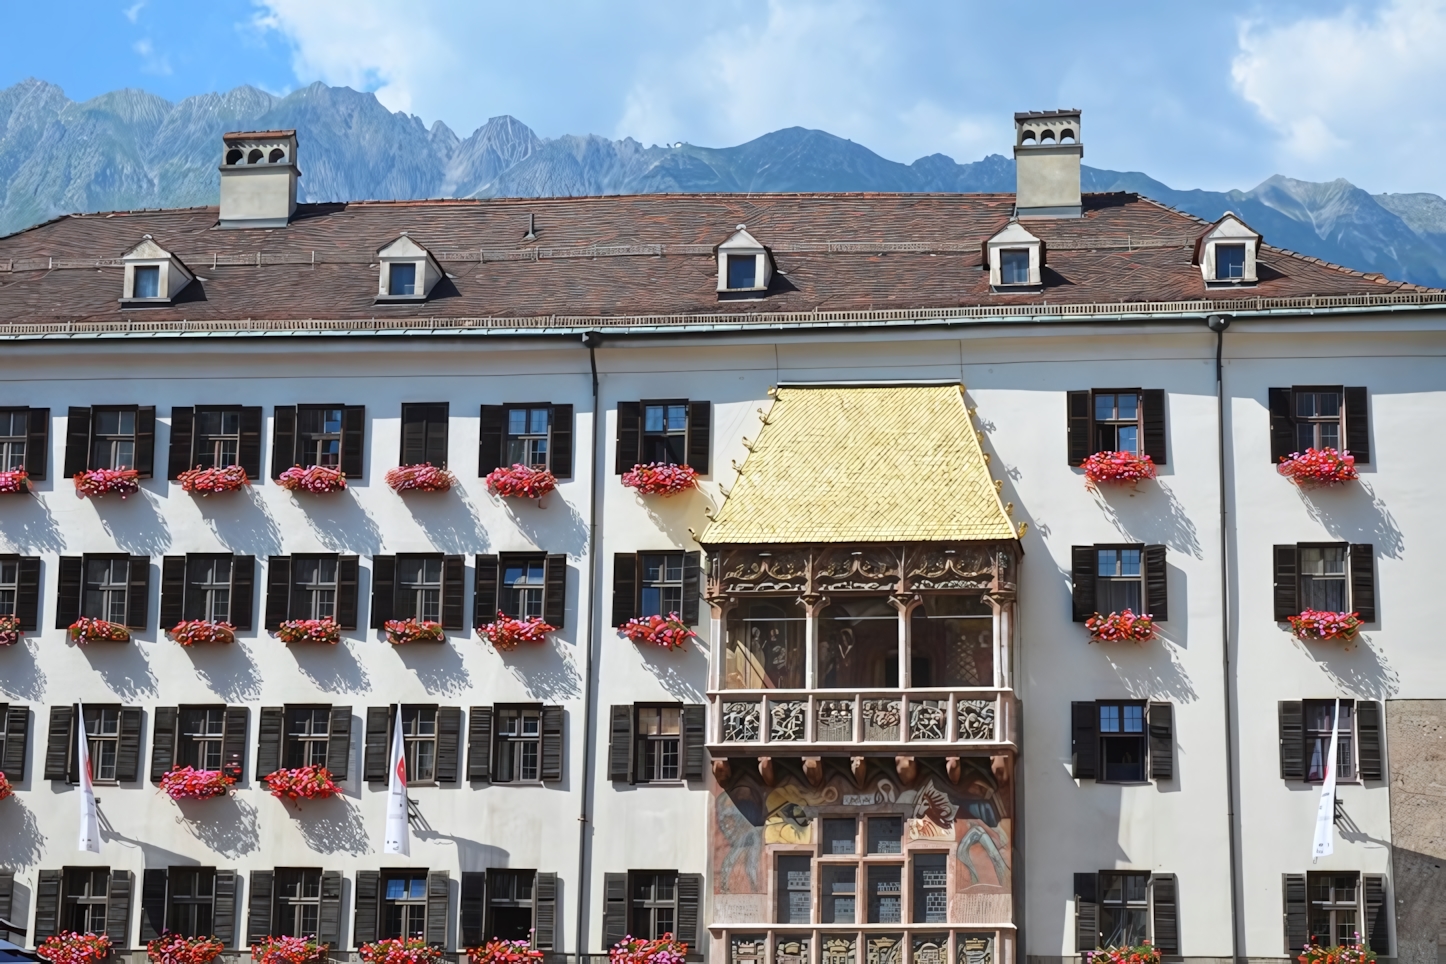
<point>148,281</point>
<point>1227,252</point>
<point>1015,258</point>
<point>742,269</point>
<point>152,275</point>
<point>403,279</point>
<point>408,271</point>
<point>744,264</point>
<point>1229,261</point>
<point>1014,266</point>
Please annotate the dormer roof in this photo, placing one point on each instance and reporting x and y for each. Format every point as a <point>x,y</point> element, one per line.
<point>1228,228</point>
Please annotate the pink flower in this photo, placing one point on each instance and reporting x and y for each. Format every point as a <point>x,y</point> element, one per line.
<point>193,631</point>
<point>301,783</point>
<point>309,631</point>
<point>175,949</point>
<point>1121,627</point>
<point>503,952</point>
<point>5,788</point>
<point>68,947</point>
<point>14,481</point>
<point>420,478</point>
<point>521,482</point>
<point>1319,467</point>
<point>412,950</point>
<point>289,950</point>
<point>186,783</point>
<point>1315,624</point>
<point>10,632</point>
<point>1117,467</point>
<point>667,631</point>
<point>89,630</point>
<point>506,634</point>
<point>316,479</point>
<point>232,478</point>
<point>96,482</point>
<point>402,631</point>
<point>633,950</point>
<point>661,478</point>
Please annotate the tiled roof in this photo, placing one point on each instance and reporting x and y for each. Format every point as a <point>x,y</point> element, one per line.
<point>632,255</point>
<point>863,464</point>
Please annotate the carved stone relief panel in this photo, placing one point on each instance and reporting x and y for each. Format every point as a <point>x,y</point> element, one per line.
<point>741,721</point>
<point>976,719</point>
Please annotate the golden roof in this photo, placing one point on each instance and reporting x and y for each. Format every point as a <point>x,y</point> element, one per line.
<point>863,464</point>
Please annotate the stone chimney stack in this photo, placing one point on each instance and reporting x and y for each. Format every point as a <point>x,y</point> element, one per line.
<point>258,179</point>
<point>1047,152</point>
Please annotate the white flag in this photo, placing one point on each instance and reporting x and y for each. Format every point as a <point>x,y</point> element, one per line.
<point>398,837</point>
<point>89,825</point>
<point>1325,815</point>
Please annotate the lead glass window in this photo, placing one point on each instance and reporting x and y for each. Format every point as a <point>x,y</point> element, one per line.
<point>1122,742</point>
<point>665,432</point>
<point>1318,419</point>
<point>840,893</point>
<point>1323,578</point>
<point>208,589</point>
<point>113,438</point>
<point>318,435</point>
<point>307,732</point>
<point>107,588</point>
<point>201,731</point>
<point>1117,422</point>
<point>14,424</point>
<point>1320,715</point>
<point>659,733</point>
<point>191,898</point>
<point>404,905</point>
<point>298,901</point>
<point>1334,908</point>
<point>795,889</point>
<point>419,579</point>
<point>1124,909</point>
<point>314,582</point>
<point>85,900</point>
<point>886,893</point>
<point>765,645</point>
<point>528,433</point>
<point>218,437</point>
<point>523,584</point>
<point>931,894</point>
<point>519,744</point>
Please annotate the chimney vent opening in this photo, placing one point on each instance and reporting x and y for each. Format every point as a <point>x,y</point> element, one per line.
<point>254,156</point>
<point>277,154</point>
<point>258,179</point>
<point>234,155</point>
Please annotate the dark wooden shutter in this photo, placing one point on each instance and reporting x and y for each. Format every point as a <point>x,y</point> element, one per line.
<point>489,448</point>
<point>146,441</point>
<point>700,435</point>
<point>278,591</point>
<point>17,739</point>
<point>1084,740</point>
<point>692,587</point>
<point>1162,741</point>
<point>1166,908</point>
<point>694,729</point>
<point>47,904</point>
<point>1152,412</point>
<point>479,743</point>
<point>163,741</point>
<point>182,435</point>
<point>67,597</point>
<point>1287,588</point>
<point>625,587</point>
<point>1157,595</point>
<point>1358,425</point>
<point>384,589</point>
<point>472,904</point>
<point>1082,578</point>
<point>77,441</point>
<point>283,439</point>
<point>1282,424</point>
<point>559,455</point>
<point>138,595</point>
<point>243,592</point>
<point>347,571</point>
<point>438,430</point>
<point>338,742</point>
<point>268,741</point>
<point>1363,581</point>
<point>544,911</point>
<point>1296,933</point>
<point>353,440</point>
<point>1378,931</point>
<point>449,740</point>
<point>615,909</point>
<point>484,590</point>
<point>364,925</point>
<point>454,581</point>
<point>1368,736</point>
<point>328,925</point>
<point>7,894</point>
<point>690,893</point>
<point>424,434</point>
<point>630,439</point>
<point>223,914</point>
<point>1292,740</point>
<point>57,742</point>
<point>248,449</point>
<point>258,910</point>
<point>118,908</point>
<point>153,903</point>
<point>1086,912</point>
<point>1077,421</point>
<point>128,747</point>
<point>173,591</point>
<point>439,892</point>
<point>27,593</point>
<point>551,743</point>
<point>233,741</point>
<point>554,593</point>
<point>37,443</point>
<point>620,746</point>
<point>376,750</point>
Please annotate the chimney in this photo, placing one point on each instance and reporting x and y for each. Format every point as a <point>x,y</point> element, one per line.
<point>1047,152</point>
<point>258,179</point>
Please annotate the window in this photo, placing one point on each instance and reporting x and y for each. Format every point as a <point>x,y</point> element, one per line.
<point>318,435</point>
<point>1320,416</point>
<point>147,281</point>
<point>307,729</point>
<point>931,892</point>
<point>1319,717</point>
<point>208,593</point>
<point>1323,578</point>
<point>419,588</point>
<point>1014,266</point>
<point>665,432</point>
<point>113,439</point>
<point>404,903</point>
<point>653,904</point>
<point>218,437</point>
<point>528,432</point>
<point>1329,577</point>
<point>859,643</point>
<point>14,427</point>
<point>1124,909</point>
<point>519,744</point>
<point>742,270</point>
<point>191,891</point>
<point>424,433</point>
<point>1119,580</point>
<point>314,586</point>
<point>765,645</point>
<point>952,642</point>
<point>298,901</point>
<point>85,899</point>
<point>1318,419</point>
<point>1117,422</point>
<point>840,893</point>
<point>886,835</point>
<point>523,585</point>
<point>659,732</point>
<point>402,278</point>
<point>662,583</point>
<point>886,894</point>
<point>9,585</point>
<point>1229,261</point>
<point>419,741</point>
<point>1122,742</point>
<point>795,889</point>
<point>1334,908</point>
<point>201,731</point>
<point>509,904</point>
<point>840,836</point>
<point>107,583</point>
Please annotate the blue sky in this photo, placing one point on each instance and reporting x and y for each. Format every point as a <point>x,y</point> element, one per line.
<point>1196,94</point>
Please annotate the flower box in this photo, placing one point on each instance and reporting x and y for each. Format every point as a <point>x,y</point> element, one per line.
<point>1315,624</point>
<point>1121,627</point>
<point>420,478</point>
<point>521,482</point>
<point>309,631</point>
<point>97,482</point>
<point>88,630</point>
<point>412,950</point>
<point>187,783</point>
<point>15,481</point>
<point>667,631</point>
<point>174,949</point>
<point>192,632</point>
<point>1118,467</point>
<point>1140,954</point>
<point>633,950</point>
<point>10,631</point>
<point>1318,467</point>
<point>232,478</point>
<point>68,947</point>
<point>1337,954</point>
<point>661,478</point>
<point>503,952</point>
<point>301,783</point>
<point>402,631</point>
<point>506,634</point>
<point>316,479</point>
<point>5,788</point>
<point>289,950</point>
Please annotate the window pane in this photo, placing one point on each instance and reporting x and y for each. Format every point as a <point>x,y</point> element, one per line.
<point>886,835</point>
<point>794,887</point>
<point>885,895</point>
<point>742,269</point>
<point>1014,266</point>
<point>953,642</point>
<point>1229,261</point>
<point>859,644</point>
<point>840,894</point>
<point>1128,406</point>
<point>840,835</point>
<point>147,281</point>
<point>403,279</point>
<point>765,646</point>
<point>653,418</point>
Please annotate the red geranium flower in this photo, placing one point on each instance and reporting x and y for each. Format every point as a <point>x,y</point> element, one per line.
<point>661,478</point>
<point>667,631</point>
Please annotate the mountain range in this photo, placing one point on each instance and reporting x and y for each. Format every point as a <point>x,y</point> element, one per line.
<point>130,149</point>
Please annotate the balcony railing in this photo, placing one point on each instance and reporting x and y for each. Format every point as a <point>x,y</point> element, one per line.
<point>797,721</point>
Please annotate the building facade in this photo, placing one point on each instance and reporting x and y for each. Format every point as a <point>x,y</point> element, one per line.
<point>893,738</point>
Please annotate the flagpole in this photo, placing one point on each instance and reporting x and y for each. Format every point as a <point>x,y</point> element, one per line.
<point>89,839</point>
<point>398,838</point>
<point>1325,815</point>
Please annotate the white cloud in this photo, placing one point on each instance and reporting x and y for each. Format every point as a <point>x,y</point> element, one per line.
<point>133,12</point>
<point>1351,94</point>
<point>151,61</point>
